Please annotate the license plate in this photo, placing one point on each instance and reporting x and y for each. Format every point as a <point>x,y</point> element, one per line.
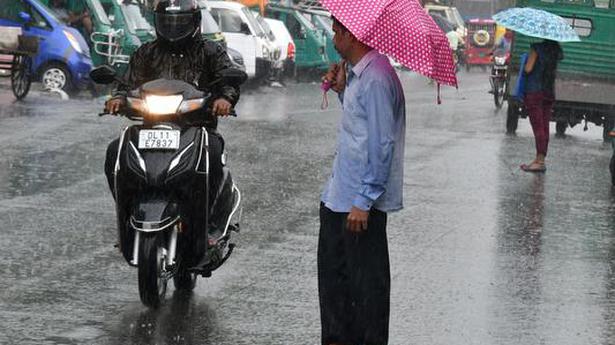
<point>158,139</point>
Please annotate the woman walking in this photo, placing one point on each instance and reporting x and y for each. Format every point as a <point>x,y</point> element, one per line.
<point>540,70</point>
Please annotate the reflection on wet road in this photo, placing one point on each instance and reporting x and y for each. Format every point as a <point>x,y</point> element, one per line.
<point>482,254</point>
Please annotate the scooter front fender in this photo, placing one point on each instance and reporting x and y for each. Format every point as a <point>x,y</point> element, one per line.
<point>153,214</point>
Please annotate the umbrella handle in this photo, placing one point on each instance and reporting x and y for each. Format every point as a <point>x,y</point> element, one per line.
<point>325,101</point>
<point>325,86</point>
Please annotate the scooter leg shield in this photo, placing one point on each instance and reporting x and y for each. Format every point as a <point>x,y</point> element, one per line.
<point>224,202</point>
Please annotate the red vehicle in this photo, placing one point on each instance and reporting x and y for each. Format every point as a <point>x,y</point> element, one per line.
<point>480,41</point>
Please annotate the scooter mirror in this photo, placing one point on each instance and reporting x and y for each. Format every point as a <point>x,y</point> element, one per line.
<point>103,75</point>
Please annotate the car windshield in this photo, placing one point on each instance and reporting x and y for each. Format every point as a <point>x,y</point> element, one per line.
<point>266,28</point>
<point>305,22</point>
<point>53,14</point>
<point>457,17</point>
<point>208,23</point>
<point>325,23</point>
<point>134,17</point>
<point>100,13</point>
<point>253,22</point>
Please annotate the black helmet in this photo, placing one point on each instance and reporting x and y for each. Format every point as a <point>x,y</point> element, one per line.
<point>177,19</point>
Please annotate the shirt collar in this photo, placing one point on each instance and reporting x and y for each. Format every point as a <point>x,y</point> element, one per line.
<point>364,62</point>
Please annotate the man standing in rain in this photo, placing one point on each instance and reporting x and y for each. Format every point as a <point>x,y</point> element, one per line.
<point>366,184</point>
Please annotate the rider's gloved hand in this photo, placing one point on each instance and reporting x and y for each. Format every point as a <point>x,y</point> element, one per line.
<point>221,107</point>
<point>115,104</point>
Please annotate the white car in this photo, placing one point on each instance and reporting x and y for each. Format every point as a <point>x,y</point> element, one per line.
<point>453,16</point>
<point>244,34</point>
<point>283,43</point>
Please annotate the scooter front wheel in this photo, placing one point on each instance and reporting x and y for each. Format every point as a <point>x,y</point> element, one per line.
<point>499,89</point>
<point>152,283</point>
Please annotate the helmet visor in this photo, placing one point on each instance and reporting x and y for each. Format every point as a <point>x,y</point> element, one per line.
<point>174,27</point>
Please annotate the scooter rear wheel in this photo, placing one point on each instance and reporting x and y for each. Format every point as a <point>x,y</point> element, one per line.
<point>152,284</point>
<point>184,280</point>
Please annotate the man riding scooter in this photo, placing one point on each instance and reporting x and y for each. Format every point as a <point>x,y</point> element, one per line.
<point>180,53</point>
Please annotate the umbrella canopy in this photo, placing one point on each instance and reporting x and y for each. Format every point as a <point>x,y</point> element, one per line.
<point>401,29</point>
<point>537,23</point>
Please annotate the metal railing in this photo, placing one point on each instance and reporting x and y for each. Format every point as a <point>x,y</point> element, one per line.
<point>107,44</point>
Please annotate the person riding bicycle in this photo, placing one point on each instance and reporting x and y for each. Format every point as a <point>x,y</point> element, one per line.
<point>180,53</point>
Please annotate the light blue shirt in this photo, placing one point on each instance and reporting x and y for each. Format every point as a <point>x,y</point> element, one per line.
<point>368,168</point>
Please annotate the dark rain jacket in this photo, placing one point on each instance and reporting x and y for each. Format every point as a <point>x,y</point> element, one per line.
<point>197,61</point>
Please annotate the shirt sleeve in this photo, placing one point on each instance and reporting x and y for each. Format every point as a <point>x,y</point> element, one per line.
<point>135,74</point>
<point>218,61</point>
<point>379,106</point>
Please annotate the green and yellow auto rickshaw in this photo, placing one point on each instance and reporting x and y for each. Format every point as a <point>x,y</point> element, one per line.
<point>310,42</point>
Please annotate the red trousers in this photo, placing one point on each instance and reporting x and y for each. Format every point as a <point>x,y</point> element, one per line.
<point>539,106</point>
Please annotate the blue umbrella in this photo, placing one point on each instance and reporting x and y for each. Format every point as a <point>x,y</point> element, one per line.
<point>537,23</point>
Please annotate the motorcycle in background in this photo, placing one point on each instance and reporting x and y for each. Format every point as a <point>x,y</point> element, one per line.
<point>499,78</point>
<point>167,225</point>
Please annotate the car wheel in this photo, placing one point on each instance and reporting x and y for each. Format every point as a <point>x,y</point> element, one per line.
<point>56,76</point>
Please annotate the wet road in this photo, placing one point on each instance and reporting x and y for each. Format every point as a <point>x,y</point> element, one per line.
<point>482,253</point>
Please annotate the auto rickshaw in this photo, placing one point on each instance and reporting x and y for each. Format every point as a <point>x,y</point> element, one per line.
<point>310,41</point>
<point>479,42</point>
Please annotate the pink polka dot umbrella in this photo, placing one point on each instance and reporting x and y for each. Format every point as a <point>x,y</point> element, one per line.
<point>401,29</point>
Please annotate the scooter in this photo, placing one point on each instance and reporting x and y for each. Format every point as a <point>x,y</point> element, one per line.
<point>167,226</point>
<point>499,78</point>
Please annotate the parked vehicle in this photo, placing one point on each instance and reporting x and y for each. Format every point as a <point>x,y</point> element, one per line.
<point>309,41</point>
<point>322,20</point>
<point>284,47</point>
<point>452,14</point>
<point>276,55</point>
<point>119,30</point>
<point>585,81</point>
<point>244,34</point>
<point>63,60</point>
<point>167,226</point>
<point>454,39</point>
<point>209,27</point>
<point>499,78</point>
<point>236,59</point>
<point>479,42</point>
<point>128,15</point>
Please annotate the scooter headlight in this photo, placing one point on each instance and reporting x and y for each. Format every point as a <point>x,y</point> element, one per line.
<point>163,105</point>
<point>499,60</point>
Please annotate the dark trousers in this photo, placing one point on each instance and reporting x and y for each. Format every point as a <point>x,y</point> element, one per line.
<point>539,106</point>
<point>354,280</point>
